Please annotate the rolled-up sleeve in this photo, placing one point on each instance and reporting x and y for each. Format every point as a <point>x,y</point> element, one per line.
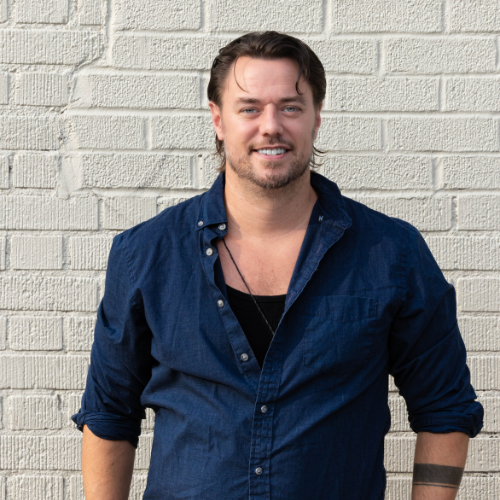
<point>427,353</point>
<point>120,362</point>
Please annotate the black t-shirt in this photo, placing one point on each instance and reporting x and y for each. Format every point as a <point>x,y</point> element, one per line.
<point>251,321</point>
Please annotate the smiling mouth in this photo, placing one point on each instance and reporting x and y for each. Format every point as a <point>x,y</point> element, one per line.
<point>272,152</point>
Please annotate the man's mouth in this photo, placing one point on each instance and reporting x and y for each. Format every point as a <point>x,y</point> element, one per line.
<point>272,152</point>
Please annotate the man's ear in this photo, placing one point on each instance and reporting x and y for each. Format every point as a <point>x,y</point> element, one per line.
<point>317,119</point>
<point>217,120</point>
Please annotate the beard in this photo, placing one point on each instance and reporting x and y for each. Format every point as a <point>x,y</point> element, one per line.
<point>272,178</point>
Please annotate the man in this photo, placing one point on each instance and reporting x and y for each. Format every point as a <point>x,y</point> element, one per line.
<point>261,321</point>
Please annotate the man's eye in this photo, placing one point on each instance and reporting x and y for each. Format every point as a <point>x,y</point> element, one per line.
<point>250,110</point>
<point>291,108</point>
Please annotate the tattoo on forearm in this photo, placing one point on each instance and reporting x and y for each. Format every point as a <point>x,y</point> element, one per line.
<point>442,476</point>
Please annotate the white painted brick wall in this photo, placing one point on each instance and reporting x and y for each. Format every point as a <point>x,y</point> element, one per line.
<point>35,170</point>
<point>36,252</point>
<point>35,333</point>
<point>33,412</point>
<point>41,89</point>
<point>105,123</point>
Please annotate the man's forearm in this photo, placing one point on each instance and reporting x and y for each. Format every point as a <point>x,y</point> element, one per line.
<point>107,467</point>
<point>439,464</point>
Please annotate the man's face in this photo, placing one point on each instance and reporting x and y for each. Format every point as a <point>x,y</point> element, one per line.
<point>268,128</point>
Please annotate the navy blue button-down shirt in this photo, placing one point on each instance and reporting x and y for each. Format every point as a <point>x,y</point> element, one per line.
<point>366,300</point>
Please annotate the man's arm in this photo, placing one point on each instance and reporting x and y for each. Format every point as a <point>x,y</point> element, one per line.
<point>439,464</point>
<point>106,467</point>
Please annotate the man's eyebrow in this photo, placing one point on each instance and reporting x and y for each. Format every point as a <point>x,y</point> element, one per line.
<point>253,100</point>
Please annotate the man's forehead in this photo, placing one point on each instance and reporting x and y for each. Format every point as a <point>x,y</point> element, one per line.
<point>249,76</point>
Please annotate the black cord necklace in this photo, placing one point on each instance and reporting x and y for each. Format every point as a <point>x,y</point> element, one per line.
<point>248,288</point>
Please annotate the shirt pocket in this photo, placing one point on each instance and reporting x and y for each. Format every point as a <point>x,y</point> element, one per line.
<point>339,332</point>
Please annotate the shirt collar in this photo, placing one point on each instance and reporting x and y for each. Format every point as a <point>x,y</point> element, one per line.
<point>213,211</point>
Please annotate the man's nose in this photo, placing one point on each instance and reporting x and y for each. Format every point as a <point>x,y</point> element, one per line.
<point>271,122</point>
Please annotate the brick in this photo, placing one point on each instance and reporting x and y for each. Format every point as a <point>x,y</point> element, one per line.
<point>347,56</point>
<point>473,16</point>
<point>40,453</point>
<point>46,212</point>
<point>483,456</point>
<point>471,172</point>
<point>478,212</point>
<point>50,11</point>
<point>37,293</point>
<point>472,94</point>
<point>3,242</point>
<point>379,172</point>
<point>148,423</point>
<point>91,12</point>
<point>442,134</point>
<point>183,132</point>
<point>399,414</point>
<point>4,14</point>
<point>135,170</point>
<point>480,333</point>
<point>4,88</point>
<point>43,372</point>
<point>441,55</point>
<point>36,170</point>
<point>123,213</point>
<point>4,172</point>
<point>36,252</point>
<point>463,252</point>
<point>78,333</point>
<point>491,413</point>
<point>348,93</point>
<point>208,164</point>
<point>386,15</point>
<point>479,294</point>
<point>399,488</point>
<point>50,47</point>
<point>36,487</point>
<point>261,15</point>
<point>3,332</point>
<point>158,53</point>
<point>157,15</point>
<point>427,214</point>
<point>74,404</point>
<point>349,134</point>
<point>143,454</point>
<point>485,372</point>
<point>165,202</point>
<point>36,333</point>
<point>34,412</point>
<point>137,487</point>
<point>41,89</point>
<point>105,132</point>
<point>28,132</point>
<point>138,91</point>
<point>90,252</point>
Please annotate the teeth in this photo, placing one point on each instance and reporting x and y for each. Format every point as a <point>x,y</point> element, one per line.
<point>277,151</point>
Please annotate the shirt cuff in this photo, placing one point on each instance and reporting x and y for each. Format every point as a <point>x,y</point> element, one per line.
<point>467,418</point>
<point>109,426</point>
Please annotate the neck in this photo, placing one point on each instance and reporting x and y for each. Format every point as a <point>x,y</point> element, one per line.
<point>267,213</point>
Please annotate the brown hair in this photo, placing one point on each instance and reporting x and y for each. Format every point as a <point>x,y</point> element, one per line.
<point>267,45</point>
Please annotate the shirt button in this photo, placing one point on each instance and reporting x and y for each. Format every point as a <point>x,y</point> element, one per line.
<point>244,357</point>
<point>200,223</point>
<point>263,409</point>
<point>209,252</point>
<point>258,471</point>
<point>222,227</point>
<point>220,303</point>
